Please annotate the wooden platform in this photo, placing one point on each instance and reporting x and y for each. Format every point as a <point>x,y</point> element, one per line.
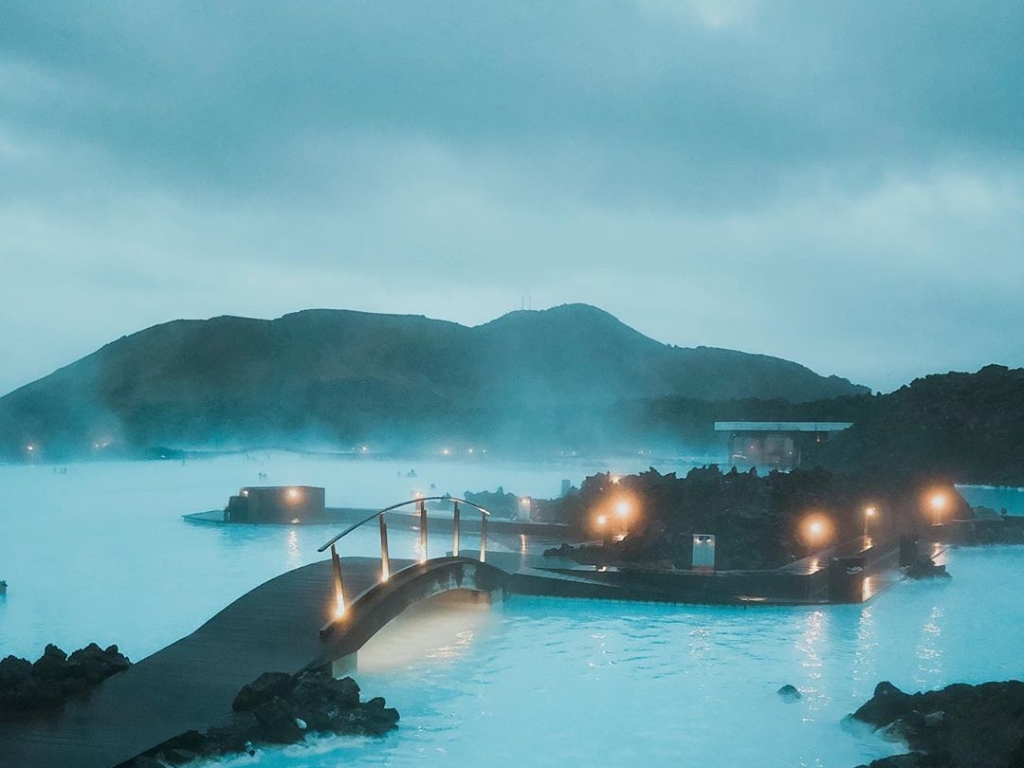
<point>190,684</point>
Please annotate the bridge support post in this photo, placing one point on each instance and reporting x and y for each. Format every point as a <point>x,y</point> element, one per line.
<point>385,559</point>
<point>339,589</point>
<point>455,531</point>
<point>483,537</point>
<point>423,531</point>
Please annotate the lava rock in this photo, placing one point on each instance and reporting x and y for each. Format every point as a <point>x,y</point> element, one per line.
<point>789,693</point>
<point>27,688</point>
<point>265,688</point>
<point>277,723</point>
<point>960,726</point>
<point>925,568</point>
<point>278,708</point>
<point>94,664</point>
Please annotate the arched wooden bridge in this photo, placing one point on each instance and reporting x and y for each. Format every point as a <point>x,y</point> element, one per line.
<point>305,619</point>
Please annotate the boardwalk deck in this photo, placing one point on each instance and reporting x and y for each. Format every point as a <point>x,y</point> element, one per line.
<point>275,627</point>
<point>191,683</point>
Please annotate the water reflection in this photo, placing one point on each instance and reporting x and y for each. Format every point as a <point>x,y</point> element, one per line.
<point>929,650</point>
<point>294,558</point>
<point>864,659</point>
<point>441,630</point>
<point>809,644</point>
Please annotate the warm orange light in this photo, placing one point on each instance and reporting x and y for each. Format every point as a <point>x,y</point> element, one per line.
<point>870,512</point>
<point>817,529</point>
<point>601,520</point>
<point>615,479</point>
<point>938,501</point>
<point>293,494</point>
<point>623,508</point>
<point>339,608</point>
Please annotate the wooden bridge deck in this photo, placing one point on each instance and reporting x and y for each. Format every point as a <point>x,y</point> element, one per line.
<point>191,683</point>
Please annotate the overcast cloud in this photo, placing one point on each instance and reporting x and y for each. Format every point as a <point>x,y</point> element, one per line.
<point>838,184</point>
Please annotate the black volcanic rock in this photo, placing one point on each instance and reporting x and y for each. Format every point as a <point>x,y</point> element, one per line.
<point>337,376</point>
<point>278,708</point>
<point>26,688</point>
<point>960,726</point>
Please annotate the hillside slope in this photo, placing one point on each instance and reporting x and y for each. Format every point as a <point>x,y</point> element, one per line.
<point>337,377</point>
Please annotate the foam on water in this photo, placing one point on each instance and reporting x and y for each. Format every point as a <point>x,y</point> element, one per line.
<point>102,554</point>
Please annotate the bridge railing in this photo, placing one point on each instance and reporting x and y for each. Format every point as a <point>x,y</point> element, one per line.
<point>385,559</point>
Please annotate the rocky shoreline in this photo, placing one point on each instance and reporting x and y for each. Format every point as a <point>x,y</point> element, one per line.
<point>27,688</point>
<point>960,726</point>
<point>278,709</point>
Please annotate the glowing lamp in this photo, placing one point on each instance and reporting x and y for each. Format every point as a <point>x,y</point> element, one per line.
<point>601,520</point>
<point>622,508</point>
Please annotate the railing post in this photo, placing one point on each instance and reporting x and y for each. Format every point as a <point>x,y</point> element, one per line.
<point>455,531</point>
<point>423,531</point>
<point>339,589</point>
<point>385,559</point>
<point>483,537</point>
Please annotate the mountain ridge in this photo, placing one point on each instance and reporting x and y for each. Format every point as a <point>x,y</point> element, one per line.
<point>341,375</point>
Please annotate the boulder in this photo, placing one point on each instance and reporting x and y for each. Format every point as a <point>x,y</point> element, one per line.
<point>960,726</point>
<point>318,697</point>
<point>233,736</point>
<point>94,664</point>
<point>277,723</point>
<point>887,704</point>
<point>789,693</point>
<point>50,666</point>
<point>265,688</point>
<point>925,568</point>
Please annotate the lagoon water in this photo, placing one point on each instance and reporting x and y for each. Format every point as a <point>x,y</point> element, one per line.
<point>102,553</point>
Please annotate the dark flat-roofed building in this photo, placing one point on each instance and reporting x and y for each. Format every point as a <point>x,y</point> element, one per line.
<point>775,444</point>
<point>276,504</point>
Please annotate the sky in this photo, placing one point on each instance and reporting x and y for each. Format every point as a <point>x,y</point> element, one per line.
<point>840,184</point>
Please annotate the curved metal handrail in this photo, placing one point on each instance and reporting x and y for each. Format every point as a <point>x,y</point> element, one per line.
<point>385,558</point>
<point>421,499</point>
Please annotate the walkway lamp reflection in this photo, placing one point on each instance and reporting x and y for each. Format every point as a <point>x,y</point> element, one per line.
<point>938,503</point>
<point>623,508</point>
<point>869,514</point>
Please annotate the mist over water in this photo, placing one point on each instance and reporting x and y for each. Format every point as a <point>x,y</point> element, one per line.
<point>102,554</point>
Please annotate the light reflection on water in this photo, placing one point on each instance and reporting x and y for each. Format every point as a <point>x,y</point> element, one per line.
<point>102,554</point>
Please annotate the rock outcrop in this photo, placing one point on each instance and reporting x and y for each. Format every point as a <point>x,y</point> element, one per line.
<point>27,687</point>
<point>277,709</point>
<point>960,726</point>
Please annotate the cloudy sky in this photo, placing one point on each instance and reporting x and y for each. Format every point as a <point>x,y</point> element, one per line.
<point>840,184</point>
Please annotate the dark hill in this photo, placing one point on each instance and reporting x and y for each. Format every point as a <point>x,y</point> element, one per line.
<point>338,377</point>
<point>965,427</point>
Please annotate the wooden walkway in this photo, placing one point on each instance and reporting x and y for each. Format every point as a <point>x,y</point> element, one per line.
<point>190,684</point>
<point>276,627</point>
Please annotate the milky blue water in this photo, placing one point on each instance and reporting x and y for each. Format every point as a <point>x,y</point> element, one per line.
<point>102,553</point>
<point>994,497</point>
